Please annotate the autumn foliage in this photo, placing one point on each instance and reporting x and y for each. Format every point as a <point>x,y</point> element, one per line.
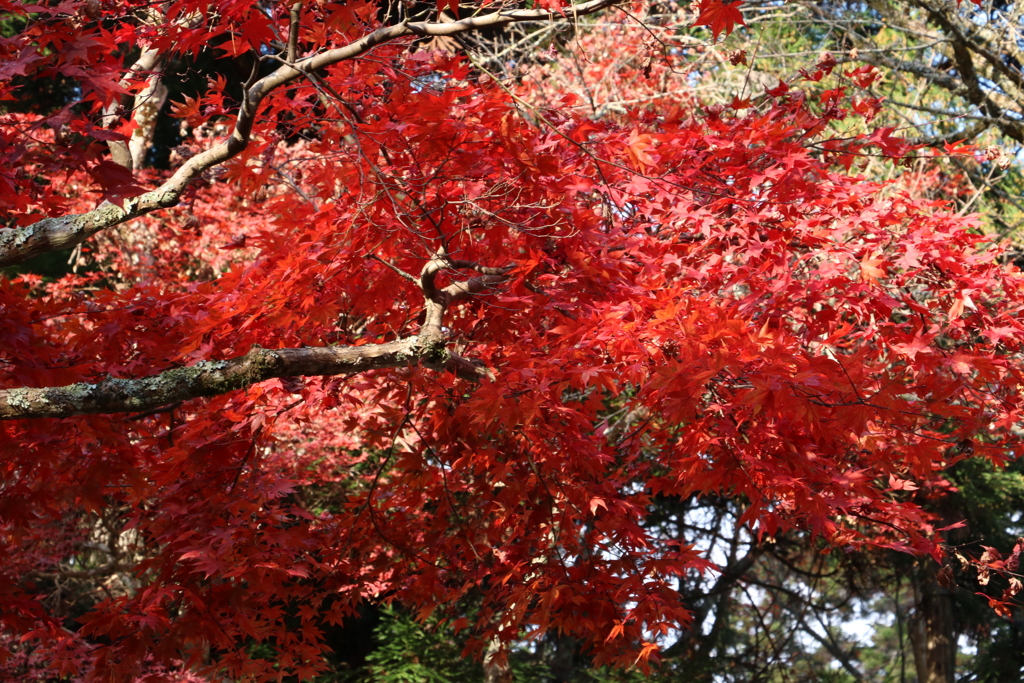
<point>540,323</point>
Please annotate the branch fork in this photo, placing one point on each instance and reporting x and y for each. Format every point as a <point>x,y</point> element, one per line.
<point>210,378</point>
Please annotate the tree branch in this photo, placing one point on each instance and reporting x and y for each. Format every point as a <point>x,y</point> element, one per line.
<point>395,268</point>
<point>147,62</point>
<point>457,291</point>
<point>51,234</point>
<point>210,378</point>
<point>293,32</point>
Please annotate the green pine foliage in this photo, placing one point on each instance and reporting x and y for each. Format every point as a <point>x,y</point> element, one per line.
<point>410,652</point>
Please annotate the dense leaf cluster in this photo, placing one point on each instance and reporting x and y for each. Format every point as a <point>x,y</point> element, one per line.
<point>387,333</point>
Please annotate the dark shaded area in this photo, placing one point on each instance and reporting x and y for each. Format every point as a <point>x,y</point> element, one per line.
<point>353,641</point>
<point>51,265</point>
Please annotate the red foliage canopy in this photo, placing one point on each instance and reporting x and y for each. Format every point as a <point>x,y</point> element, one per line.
<point>405,339</point>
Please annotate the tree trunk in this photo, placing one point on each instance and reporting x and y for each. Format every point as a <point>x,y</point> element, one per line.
<point>932,633</point>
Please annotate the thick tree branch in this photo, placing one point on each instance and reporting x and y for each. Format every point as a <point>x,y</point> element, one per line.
<point>210,378</point>
<point>293,32</point>
<point>51,234</point>
<point>147,106</point>
<point>457,291</point>
<point>149,60</point>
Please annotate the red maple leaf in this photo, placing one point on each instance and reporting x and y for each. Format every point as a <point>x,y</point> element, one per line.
<point>117,182</point>
<point>719,16</point>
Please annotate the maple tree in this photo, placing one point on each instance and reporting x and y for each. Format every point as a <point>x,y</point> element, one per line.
<point>390,329</point>
<point>773,604</point>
